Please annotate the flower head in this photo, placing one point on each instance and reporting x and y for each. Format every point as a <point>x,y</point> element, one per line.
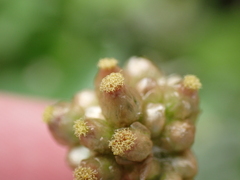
<point>112,82</point>
<point>123,140</point>
<point>85,173</point>
<point>107,63</point>
<point>47,114</point>
<point>192,82</point>
<point>80,128</point>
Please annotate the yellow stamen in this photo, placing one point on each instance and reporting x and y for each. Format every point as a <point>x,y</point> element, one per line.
<point>80,128</point>
<point>112,82</point>
<point>122,141</point>
<point>192,82</point>
<point>47,114</point>
<point>107,63</point>
<point>85,173</point>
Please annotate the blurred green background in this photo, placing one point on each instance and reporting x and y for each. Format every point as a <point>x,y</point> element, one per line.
<point>49,48</point>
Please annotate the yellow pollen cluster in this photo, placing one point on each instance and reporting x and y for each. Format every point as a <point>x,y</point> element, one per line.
<point>192,82</point>
<point>122,141</point>
<point>112,82</point>
<point>85,173</point>
<point>107,63</point>
<point>48,113</point>
<point>80,128</point>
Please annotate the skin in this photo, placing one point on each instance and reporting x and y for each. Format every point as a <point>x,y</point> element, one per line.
<point>27,150</point>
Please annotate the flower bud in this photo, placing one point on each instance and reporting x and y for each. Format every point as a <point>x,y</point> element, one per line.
<point>85,99</point>
<point>120,104</point>
<point>178,136</point>
<point>76,154</point>
<point>171,176</point>
<point>138,68</point>
<point>97,168</point>
<point>154,118</point>
<point>149,90</point>
<point>60,118</point>
<point>150,169</point>
<point>106,66</point>
<point>94,112</point>
<point>185,164</point>
<point>133,144</point>
<point>94,134</point>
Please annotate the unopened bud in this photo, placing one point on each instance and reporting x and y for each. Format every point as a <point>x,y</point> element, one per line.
<point>138,68</point>
<point>154,118</point>
<point>178,136</point>
<point>149,90</point>
<point>85,99</point>
<point>76,154</point>
<point>185,164</point>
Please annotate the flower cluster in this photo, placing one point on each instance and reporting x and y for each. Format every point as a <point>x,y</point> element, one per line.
<point>136,124</point>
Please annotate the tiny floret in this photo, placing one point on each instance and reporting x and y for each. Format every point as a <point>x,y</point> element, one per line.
<point>107,63</point>
<point>85,173</point>
<point>122,140</point>
<point>192,82</point>
<point>112,82</point>
<point>80,128</point>
<point>47,114</point>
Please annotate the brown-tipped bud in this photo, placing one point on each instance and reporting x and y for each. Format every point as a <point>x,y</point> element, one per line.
<point>138,68</point>
<point>133,144</point>
<point>94,134</point>
<point>60,118</point>
<point>106,66</point>
<point>76,154</point>
<point>150,169</point>
<point>149,90</point>
<point>171,176</point>
<point>154,118</point>
<point>97,168</point>
<point>178,136</point>
<point>120,104</point>
<point>85,99</point>
<point>185,165</point>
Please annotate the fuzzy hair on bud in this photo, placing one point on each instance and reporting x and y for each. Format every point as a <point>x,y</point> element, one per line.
<point>123,140</point>
<point>107,63</point>
<point>85,173</point>
<point>112,82</point>
<point>80,128</point>
<point>47,114</point>
<point>192,82</point>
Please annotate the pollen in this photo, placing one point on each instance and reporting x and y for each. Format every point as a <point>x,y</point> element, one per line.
<point>47,114</point>
<point>112,82</point>
<point>122,140</point>
<point>80,128</point>
<point>107,63</point>
<point>192,82</point>
<point>85,173</point>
